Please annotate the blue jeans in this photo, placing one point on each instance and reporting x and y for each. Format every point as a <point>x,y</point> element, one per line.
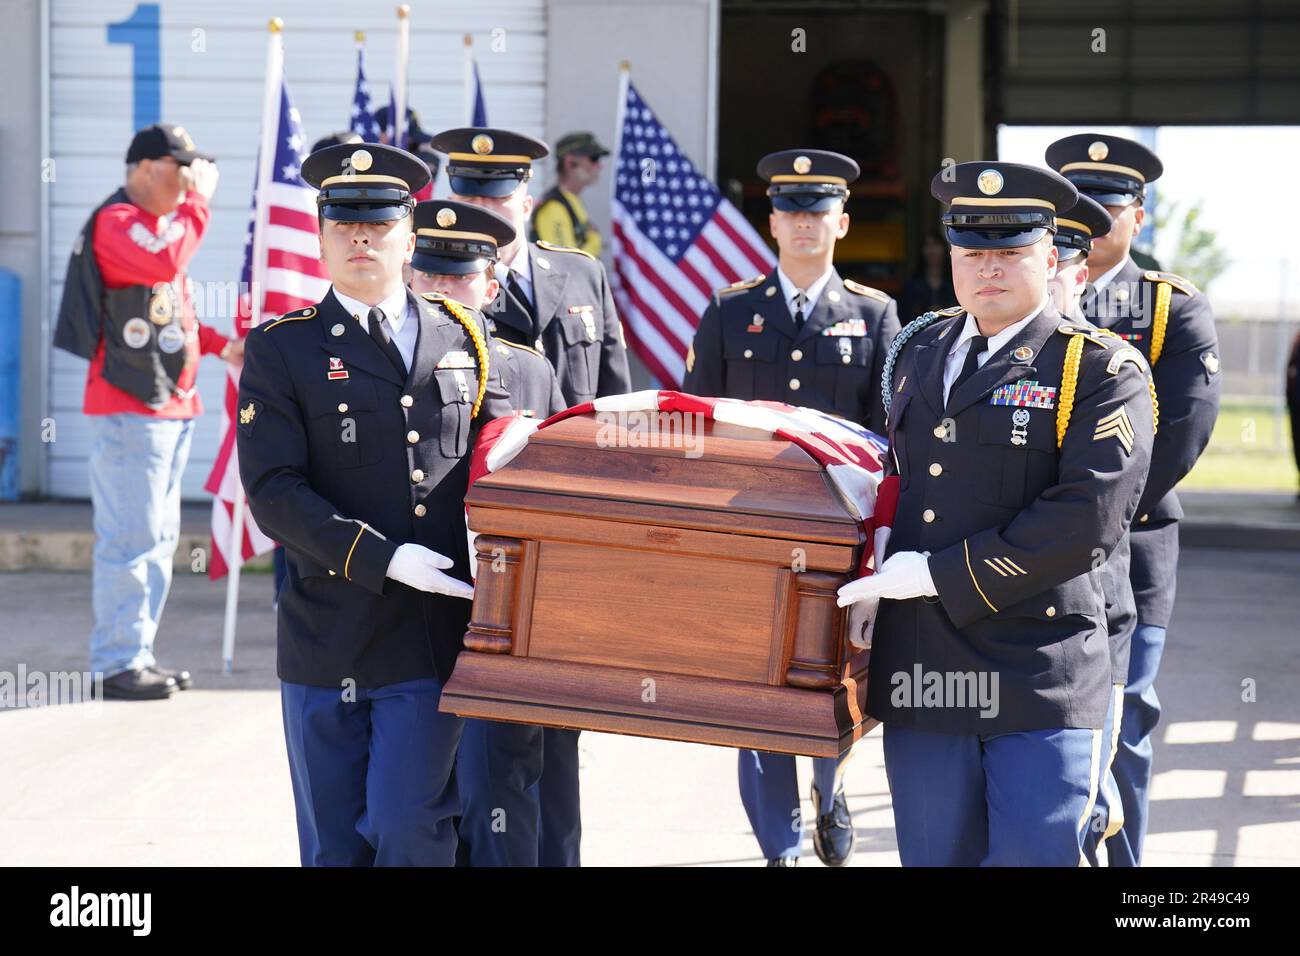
<point>136,464</point>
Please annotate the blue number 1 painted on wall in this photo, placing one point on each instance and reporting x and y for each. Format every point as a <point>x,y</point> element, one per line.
<point>140,31</point>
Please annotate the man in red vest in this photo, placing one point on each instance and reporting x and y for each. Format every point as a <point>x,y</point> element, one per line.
<point>127,307</point>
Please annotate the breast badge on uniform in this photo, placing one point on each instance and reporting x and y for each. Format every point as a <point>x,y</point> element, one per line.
<point>336,372</point>
<point>1116,425</point>
<point>456,358</point>
<point>854,327</point>
<point>1025,393</point>
<point>1020,426</point>
<point>755,324</point>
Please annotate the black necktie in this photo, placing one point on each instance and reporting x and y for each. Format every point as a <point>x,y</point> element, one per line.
<point>516,289</point>
<point>800,303</point>
<point>977,346</point>
<point>379,332</point>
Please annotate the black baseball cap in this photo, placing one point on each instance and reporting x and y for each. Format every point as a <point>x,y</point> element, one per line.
<point>164,139</point>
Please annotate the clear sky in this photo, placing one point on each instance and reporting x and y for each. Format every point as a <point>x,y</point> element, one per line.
<point>1244,176</point>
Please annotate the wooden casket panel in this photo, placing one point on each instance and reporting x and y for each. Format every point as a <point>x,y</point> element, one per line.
<point>640,590</point>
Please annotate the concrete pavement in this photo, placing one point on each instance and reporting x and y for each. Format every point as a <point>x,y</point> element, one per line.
<point>202,779</point>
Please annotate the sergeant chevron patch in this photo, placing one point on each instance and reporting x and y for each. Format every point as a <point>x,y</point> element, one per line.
<point>1116,425</point>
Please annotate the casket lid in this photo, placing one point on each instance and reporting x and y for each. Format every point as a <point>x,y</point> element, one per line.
<point>717,477</point>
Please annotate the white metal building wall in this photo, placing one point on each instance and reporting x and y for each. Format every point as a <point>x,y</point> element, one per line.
<point>212,85</point>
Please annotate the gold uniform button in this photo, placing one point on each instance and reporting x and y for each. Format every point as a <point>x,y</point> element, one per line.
<point>796,355</point>
<point>407,401</point>
<point>331,574</point>
<point>417,476</point>
<point>940,431</point>
<point>343,406</point>
<point>420,510</point>
<point>749,353</point>
<point>1143,519</point>
<point>927,515</point>
<point>794,385</point>
<point>1051,612</point>
<point>412,436</point>
<point>936,469</point>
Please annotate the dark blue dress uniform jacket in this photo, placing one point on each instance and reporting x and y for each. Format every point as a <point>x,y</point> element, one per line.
<point>577,326</point>
<point>1017,529</point>
<point>1188,384</point>
<point>529,379</point>
<point>343,469</point>
<point>747,347</point>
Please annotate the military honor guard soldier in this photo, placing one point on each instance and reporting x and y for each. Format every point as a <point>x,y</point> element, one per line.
<point>355,424</point>
<point>1021,442</point>
<point>806,337</point>
<point>554,299</point>
<point>517,774</point>
<point>1076,229</point>
<point>1170,322</point>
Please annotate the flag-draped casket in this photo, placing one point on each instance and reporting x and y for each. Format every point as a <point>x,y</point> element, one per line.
<point>662,565</point>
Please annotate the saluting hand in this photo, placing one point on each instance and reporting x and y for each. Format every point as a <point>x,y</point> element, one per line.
<point>904,575</point>
<point>421,568</point>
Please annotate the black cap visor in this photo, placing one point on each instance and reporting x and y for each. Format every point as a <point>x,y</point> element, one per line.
<point>476,181</point>
<point>364,203</point>
<point>806,197</point>
<point>432,263</point>
<point>453,257</point>
<point>1109,190</point>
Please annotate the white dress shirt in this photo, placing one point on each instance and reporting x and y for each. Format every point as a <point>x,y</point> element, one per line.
<point>812,293</point>
<point>957,354</point>
<point>404,333</point>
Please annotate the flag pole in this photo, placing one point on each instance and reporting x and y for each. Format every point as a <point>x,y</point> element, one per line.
<point>467,81</point>
<point>256,283</point>
<point>399,75</point>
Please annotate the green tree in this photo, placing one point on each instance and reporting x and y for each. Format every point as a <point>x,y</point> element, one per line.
<point>1197,254</point>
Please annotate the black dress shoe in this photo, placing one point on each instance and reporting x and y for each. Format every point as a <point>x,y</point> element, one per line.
<point>182,677</point>
<point>139,685</point>
<point>835,837</point>
<point>783,861</point>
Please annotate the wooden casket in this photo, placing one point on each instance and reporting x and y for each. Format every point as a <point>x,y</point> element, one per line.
<point>682,588</point>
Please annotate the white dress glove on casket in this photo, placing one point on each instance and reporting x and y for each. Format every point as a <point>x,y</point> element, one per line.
<point>905,575</point>
<point>418,567</point>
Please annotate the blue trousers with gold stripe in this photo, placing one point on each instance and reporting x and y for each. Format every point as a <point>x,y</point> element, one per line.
<point>769,789</point>
<point>374,778</point>
<point>1132,767</point>
<point>1012,799</point>
<point>1108,813</point>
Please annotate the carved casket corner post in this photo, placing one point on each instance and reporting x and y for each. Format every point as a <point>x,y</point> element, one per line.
<point>680,588</point>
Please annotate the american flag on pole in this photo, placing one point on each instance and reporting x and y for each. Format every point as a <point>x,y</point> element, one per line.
<point>281,260</point>
<point>363,117</point>
<point>676,240</point>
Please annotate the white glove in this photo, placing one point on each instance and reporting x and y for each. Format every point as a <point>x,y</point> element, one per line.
<point>417,566</point>
<point>905,575</point>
